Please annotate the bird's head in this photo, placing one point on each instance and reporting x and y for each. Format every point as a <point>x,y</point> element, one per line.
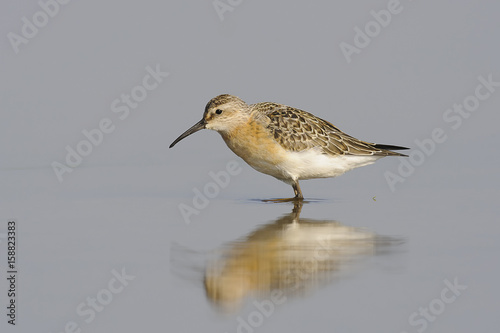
<point>222,114</point>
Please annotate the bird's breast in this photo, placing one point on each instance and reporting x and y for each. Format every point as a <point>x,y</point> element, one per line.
<point>255,145</point>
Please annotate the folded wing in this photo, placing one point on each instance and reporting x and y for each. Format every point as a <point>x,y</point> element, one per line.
<point>298,130</point>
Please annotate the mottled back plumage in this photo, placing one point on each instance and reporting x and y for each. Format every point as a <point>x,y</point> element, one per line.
<point>298,130</point>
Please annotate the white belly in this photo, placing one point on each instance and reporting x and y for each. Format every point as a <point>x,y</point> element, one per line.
<point>311,164</point>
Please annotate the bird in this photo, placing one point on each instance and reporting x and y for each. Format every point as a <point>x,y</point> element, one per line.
<point>286,143</point>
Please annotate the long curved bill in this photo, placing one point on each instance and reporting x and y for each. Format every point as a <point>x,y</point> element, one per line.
<point>195,128</point>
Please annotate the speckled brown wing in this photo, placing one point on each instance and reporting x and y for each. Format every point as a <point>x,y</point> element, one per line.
<point>298,130</point>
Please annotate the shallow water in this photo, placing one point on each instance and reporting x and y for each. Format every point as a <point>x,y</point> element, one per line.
<point>351,262</point>
<point>126,242</point>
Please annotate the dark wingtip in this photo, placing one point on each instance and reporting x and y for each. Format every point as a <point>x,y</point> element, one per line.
<point>389,147</point>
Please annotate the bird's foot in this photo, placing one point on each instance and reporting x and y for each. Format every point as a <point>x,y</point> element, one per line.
<point>294,199</point>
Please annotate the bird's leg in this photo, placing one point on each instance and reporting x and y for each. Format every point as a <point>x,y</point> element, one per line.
<point>298,196</point>
<point>297,191</point>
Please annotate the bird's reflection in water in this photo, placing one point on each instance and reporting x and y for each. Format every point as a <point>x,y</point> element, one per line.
<point>292,255</point>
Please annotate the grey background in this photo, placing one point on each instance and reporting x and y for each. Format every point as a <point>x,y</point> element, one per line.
<point>120,208</point>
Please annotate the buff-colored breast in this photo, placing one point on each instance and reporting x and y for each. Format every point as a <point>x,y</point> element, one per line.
<point>254,144</point>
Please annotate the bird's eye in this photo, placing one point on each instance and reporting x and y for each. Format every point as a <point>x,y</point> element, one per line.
<point>218,111</point>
